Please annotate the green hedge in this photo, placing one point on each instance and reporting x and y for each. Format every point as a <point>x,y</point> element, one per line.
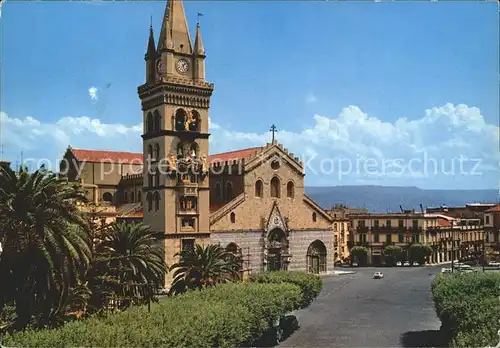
<point>468,306</point>
<point>224,316</point>
<point>310,284</point>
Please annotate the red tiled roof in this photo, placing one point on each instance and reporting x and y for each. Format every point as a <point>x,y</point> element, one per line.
<point>495,209</point>
<point>137,158</point>
<point>234,155</point>
<point>107,156</point>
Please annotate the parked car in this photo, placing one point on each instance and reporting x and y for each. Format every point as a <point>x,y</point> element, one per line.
<point>406,264</point>
<point>399,264</point>
<point>465,269</point>
<point>378,275</point>
<point>445,270</point>
<point>494,264</point>
<point>354,264</point>
<point>415,264</point>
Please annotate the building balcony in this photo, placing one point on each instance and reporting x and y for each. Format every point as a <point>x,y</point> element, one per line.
<point>362,229</point>
<point>388,229</point>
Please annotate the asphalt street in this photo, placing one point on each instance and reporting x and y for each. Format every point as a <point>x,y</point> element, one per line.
<point>356,310</point>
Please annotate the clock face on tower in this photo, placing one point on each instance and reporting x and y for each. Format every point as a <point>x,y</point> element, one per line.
<point>182,66</point>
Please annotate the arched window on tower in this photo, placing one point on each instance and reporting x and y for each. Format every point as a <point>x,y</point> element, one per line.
<point>259,188</point>
<point>139,198</point>
<point>180,150</point>
<point>180,120</point>
<point>233,217</point>
<point>132,197</point>
<point>149,122</point>
<point>314,217</point>
<point>229,191</point>
<point>194,125</point>
<point>290,190</point>
<point>157,121</point>
<point>218,192</point>
<point>156,199</point>
<point>156,152</point>
<point>275,187</point>
<point>150,152</point>
<point>149,198</point>
<point>150,180</point>
<point>157,177</point>
<point>193,150</point>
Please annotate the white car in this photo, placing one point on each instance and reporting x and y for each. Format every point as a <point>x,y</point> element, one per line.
<point>446,270</point>
<point>354,264</point>
<point>415,264</point>
<point>465,269</point>
<point>407,264</point>
<point>399,264</point>
<point>494,264</point>
<point>378,275</point>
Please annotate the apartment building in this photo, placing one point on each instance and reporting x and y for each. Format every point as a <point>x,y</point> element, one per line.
<point>453,238</point>
<point>375,231</point>
<point>492,233</point>
<point>450,238</point>
<point>341,223</point>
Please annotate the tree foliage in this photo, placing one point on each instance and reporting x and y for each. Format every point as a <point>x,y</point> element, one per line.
<point>393,253</point>
<point>419,252</point>
<point>309,284</point>
<point>204,266</point>
<point>42,256</point>
<point>230,315</point>
<point>56,264</point>
<point>128,265</point>
<point>468,307</point>
<point>359,254</point>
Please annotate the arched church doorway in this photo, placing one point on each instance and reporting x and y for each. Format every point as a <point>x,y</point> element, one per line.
<point>277,256</point>
<point>316,257</point>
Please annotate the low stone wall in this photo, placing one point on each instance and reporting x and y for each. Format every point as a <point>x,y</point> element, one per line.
<point>252,247</point>
<point>300,242</point>
<point>251,244</point>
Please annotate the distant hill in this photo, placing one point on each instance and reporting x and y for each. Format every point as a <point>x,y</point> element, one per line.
<point>388,198</point>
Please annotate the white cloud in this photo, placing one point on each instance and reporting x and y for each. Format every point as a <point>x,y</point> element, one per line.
<point>443,136</point>
<point>311,98</point>
<point>93,93</point>
<point>48,141</point>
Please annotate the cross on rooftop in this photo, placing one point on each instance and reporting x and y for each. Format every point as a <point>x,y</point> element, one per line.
<point>273,130</point>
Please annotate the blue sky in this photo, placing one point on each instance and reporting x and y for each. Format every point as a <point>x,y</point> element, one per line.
<point>343,81</point>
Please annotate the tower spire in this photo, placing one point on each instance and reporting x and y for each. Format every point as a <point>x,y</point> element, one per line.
<point>198,43</point>
<point>174,30</point>
<point>151,52</point>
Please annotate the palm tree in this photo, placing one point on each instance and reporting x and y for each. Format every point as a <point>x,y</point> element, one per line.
<point>128,265</point>
<point>204,266</point>
<point>44,253</point>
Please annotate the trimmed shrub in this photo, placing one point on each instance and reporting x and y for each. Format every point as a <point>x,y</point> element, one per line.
<point>228,315</point>
<point>468,306</point>
<point>310,284</point>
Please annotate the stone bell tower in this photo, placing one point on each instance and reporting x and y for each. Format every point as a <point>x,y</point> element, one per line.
<point>175,101</point>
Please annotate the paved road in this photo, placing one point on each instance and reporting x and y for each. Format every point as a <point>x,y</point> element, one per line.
<point>358,311</point>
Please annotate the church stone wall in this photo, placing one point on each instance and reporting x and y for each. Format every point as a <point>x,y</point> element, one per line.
<point>250,242</point>
<point>252,247</point>
<point>300,242</point>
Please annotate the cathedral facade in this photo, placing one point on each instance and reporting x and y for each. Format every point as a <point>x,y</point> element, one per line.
<point>250,201</point>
